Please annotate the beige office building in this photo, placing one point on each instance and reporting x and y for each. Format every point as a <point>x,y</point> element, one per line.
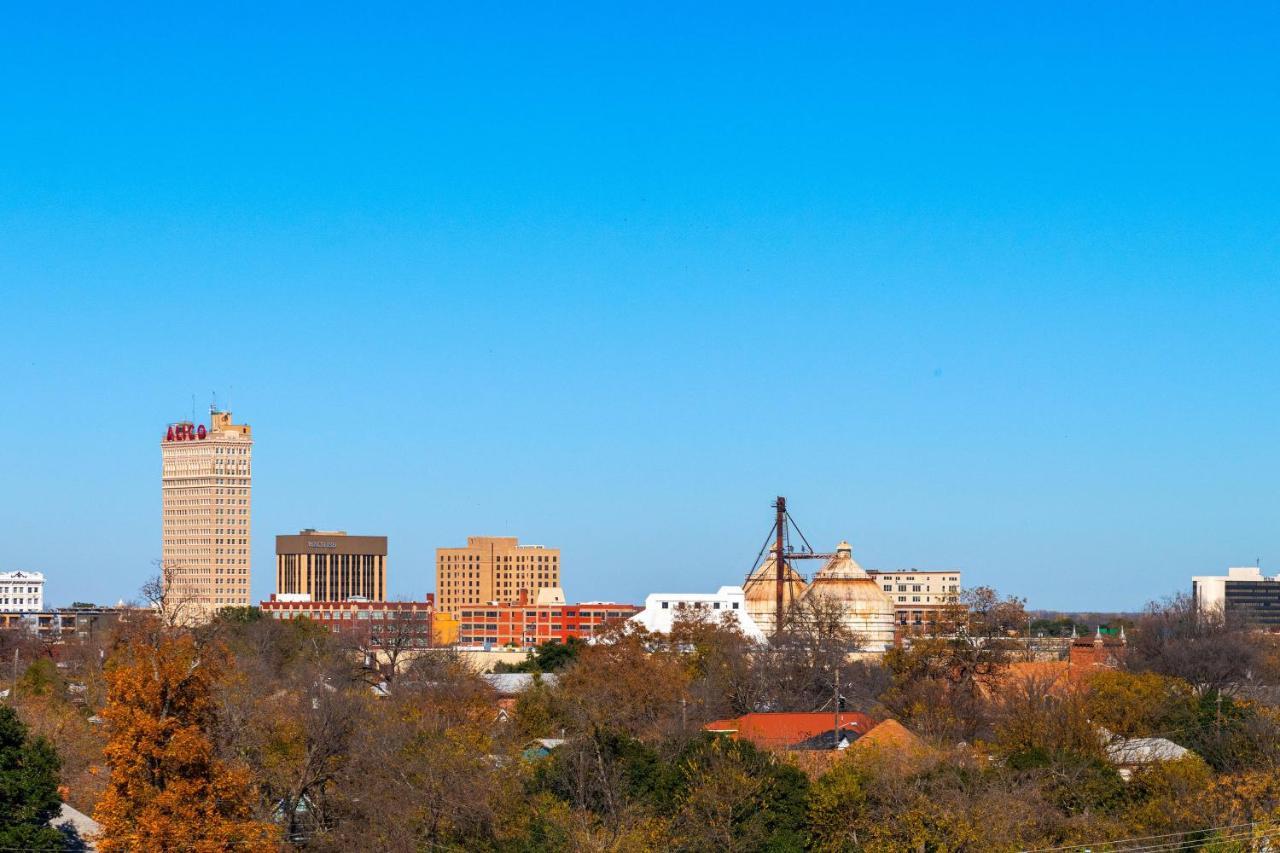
<point>493,568</point>
<point>919,598</point>
<point>329,565</point>
<point>206,476</point>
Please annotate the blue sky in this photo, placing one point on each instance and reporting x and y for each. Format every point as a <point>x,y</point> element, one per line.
<point>980,287</point>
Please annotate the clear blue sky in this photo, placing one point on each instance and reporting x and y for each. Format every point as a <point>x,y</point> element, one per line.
<point>984,287</point>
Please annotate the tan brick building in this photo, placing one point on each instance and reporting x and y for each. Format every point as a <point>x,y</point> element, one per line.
<point>919,598</point>
<point>329,565</point>
<point>493,568</point>
<point>206,477</point>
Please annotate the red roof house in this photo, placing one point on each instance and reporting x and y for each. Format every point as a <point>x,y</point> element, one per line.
<point>793,730</point>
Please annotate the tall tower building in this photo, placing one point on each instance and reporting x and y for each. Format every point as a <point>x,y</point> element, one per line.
<point>206,477</point>
<point>493,568</point>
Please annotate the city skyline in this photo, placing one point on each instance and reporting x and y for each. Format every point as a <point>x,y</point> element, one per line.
<point>975,291</point>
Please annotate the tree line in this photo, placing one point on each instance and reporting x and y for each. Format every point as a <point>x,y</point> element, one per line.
<point>261,734</point>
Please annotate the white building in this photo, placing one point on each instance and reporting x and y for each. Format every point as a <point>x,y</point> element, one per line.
<point>1242,592</point>
<point>661,609</point>
<point>21,592</point>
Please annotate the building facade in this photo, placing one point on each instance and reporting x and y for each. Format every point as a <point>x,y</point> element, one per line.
<point>1242,593</point>
<point>332,566</point>
<point>493,569</point>
<point>409,621</point>
<point>21,592</point>
<point>61,623</point>
<point>662,608</point>
<point>206,485</point>
<point>919,598</point>
<point>547,618</point>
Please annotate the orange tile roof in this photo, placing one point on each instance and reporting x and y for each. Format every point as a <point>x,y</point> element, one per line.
<point>781,730</point>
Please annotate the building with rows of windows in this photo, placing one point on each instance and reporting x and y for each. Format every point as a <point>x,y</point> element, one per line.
<point>206,484</point>
<point>527,624</point>
<point>411,619</point>
<point>919,598</point>
<point>329,565</point>
<point>1243,593</point>
<point>493,568</point>
<point>21,592</point>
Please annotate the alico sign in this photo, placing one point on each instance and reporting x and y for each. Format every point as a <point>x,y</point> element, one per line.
<point>186,432</point>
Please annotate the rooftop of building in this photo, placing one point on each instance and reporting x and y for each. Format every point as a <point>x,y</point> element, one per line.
<point>889,734</point>
<point>496,541</point>
<point>783,730</point>
<point>723,593</point>
<point>1238,573</point>
<point>334,542</point>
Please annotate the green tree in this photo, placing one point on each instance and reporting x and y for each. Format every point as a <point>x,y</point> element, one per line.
<point>551,656</point>
<point>28,788</point>
<point>239,615</point>
<point>40,679</point>
<point>836,802</point>
<point>729,795</point>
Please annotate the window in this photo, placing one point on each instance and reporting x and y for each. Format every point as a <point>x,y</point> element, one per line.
<point>665,605</point>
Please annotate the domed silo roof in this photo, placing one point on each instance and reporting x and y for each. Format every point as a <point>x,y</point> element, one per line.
<point>761,590</point>
<point>868,611</point>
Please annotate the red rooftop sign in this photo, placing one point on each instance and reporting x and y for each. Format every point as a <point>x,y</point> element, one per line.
<point>186,432</point>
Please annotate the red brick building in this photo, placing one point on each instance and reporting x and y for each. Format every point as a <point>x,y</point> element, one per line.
<point>1100,651</point>
<point>410,621</point>
<point>526,625</point>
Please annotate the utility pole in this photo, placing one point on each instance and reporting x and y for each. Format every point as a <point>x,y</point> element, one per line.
<point>835,703</point>
<point>780,529</point>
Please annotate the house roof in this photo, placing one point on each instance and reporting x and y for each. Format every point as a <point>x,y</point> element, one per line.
<point>783,730</point>
<point>1143,750</point>
<point>77,825</point>
<point>515,683</point>
<point>890,734</point>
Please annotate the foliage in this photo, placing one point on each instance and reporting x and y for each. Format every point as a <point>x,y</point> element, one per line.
<point>239,615</point>
<point>551,656</point>
<point>727,794</point>
<point>1140,704</point>
<point>167,788</point>
<point>259,733</point>
<point>938,684</point>
<point>40,679</point>
<point>836,806</point>
<point>989,615</point>
<point>28,787</point>
<point>1211,651</point>
<point>1035,716</point>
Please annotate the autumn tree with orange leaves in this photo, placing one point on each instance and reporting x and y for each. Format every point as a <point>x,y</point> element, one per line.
<point>168,790</point>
